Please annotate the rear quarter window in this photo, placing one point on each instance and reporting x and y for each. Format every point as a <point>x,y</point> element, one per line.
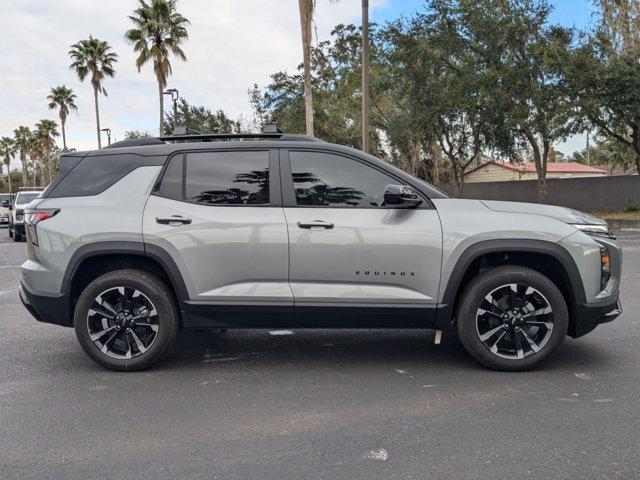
<point>95,173</point>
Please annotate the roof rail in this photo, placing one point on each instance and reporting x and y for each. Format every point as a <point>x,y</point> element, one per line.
<point>136,142</point>
<point>186,134</point>
<point>270,132</point>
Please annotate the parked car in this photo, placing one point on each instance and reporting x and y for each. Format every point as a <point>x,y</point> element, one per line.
<point>5,201</point>
<point>16,213</point>
<point>132,243</point>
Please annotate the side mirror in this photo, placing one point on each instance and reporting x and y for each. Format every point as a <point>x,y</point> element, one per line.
<point>401,196</point>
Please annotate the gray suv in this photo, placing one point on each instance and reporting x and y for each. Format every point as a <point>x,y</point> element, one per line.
<point>134,242</point>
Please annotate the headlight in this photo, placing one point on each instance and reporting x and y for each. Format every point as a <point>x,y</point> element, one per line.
<point>597,229</point>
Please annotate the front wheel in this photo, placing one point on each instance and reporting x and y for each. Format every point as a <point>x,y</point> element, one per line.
<point>512,318</point>
<point>126,320</point>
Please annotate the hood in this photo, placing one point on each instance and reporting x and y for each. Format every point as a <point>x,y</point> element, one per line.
<point>566,215</point>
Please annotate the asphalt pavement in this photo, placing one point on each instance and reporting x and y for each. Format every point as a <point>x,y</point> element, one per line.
<point>313,404</point>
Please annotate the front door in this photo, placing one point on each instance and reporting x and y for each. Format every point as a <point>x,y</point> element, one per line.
<point>353,260</point>
<point>218,216</point>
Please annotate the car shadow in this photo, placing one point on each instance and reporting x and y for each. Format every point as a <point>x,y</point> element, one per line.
<point>345,348</point>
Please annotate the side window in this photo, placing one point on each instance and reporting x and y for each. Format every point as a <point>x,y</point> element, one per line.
<point>325,179</point>
<point>228,178</point>
<point>171,185</point>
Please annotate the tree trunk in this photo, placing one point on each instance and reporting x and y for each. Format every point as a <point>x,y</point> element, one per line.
<point>540,158</point>
<point>64,135</point>
<point>9,177</point>
<point>458,178</point>
<point>161,129</point>
<point>306,16</point>
<point>95,100</point>
<point>365,76</point>
<point>23,160</point>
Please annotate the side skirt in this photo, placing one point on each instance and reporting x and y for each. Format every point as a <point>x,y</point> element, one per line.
<point>209,315</point>
<point>220,315</point>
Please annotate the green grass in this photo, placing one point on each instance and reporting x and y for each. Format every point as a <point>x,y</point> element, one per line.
<point>617,215</point>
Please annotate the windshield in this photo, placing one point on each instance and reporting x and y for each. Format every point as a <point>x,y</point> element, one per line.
<point>24,198</point>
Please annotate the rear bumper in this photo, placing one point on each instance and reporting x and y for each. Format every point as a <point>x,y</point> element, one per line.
<point>589,316</point>
<point>45,308</point>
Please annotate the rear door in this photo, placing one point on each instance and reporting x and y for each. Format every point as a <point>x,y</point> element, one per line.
<point>218,215</point>
<point>354,261</point>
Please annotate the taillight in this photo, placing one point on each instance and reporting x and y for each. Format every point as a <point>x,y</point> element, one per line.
<point>42,215</point>
<point>34,217</point>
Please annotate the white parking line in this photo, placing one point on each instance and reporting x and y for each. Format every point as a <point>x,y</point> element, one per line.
<point>280,332</point>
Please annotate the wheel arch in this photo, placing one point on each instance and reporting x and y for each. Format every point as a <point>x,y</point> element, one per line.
<point>95,259</point>
<point>548,258</point>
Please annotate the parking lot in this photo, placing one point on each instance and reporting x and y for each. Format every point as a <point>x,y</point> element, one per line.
<point>317,404</point>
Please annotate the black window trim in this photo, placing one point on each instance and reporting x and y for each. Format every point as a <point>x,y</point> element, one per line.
<point>275,191</point>
<point>288,192</point>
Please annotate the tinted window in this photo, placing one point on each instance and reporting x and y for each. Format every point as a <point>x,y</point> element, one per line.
<point>228,178</point>
<point>171,185</point>
<point>325,179</point>
<point>95,173</point>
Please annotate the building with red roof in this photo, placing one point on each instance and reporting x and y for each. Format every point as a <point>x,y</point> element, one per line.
<point>494,171</point>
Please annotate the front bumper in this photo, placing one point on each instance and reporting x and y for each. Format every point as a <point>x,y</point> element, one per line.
<point>589,316</point>
<point>46,308</point>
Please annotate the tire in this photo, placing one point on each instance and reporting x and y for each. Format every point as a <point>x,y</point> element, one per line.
<point>115,293</point>
<point>10,232</point>
<point>17,238</point>
<point>535,325</point>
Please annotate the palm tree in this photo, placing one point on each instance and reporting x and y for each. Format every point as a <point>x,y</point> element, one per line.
<point>22,136</point>
<point>158,31</point>
<point>35,149</point>
<point>93,57</point>
<point>63,99</point>
<point>307,8</point>
<point>46,130</point>
<point>7,151</point>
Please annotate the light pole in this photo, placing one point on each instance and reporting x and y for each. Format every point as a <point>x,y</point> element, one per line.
<point>174,98</point>
<point>365,76</point>
<point>108,130</point>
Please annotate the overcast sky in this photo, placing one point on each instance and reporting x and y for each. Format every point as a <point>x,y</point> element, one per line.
<point>232,44</point>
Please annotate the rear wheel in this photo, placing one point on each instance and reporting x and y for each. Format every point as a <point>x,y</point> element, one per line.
<point>126,320</point>
<point>512,318</point>
<point>10,232</point>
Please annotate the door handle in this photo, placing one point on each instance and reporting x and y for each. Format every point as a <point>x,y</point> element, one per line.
<point>173,220</point>
<point>315,223</point>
